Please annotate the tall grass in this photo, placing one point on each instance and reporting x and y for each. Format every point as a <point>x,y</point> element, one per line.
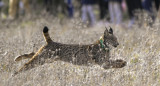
<point>139,46</point>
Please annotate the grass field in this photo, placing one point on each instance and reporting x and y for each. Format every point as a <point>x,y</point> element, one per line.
<point>139,46</point>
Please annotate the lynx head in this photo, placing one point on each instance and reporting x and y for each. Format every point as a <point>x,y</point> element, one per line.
<point>109,38</point>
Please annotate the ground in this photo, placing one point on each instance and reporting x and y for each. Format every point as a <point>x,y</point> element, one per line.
<point>139,46</point>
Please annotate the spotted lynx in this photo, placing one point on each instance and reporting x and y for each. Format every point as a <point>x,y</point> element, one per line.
<point>74,53</point>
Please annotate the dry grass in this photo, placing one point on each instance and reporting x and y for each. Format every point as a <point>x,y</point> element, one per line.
<point>139,46</point>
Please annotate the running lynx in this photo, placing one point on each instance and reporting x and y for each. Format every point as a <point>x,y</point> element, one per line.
<point>74,53</point>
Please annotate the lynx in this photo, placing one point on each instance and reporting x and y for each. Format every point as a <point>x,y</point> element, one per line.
<point>74,53</point>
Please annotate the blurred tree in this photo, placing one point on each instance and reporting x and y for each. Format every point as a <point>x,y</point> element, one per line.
<point>48,5</point>
<point>158,16</point>
<point>14,8</point>
<point>55,7</point>
<point>157,2</point>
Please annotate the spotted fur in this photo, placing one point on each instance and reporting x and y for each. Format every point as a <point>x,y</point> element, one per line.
<point>74,53</point>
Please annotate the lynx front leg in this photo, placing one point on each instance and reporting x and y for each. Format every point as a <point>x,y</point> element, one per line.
<point>118,63</point>
<point>114,64</point>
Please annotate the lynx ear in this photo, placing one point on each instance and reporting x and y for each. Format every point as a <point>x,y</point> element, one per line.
<point>111,30</point>
<point>106,31</point>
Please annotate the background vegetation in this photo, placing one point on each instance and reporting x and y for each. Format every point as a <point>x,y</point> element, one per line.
<point>139,46</point>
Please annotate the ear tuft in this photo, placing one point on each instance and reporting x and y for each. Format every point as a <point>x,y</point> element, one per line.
<point>106,28</point>
<point>111,30</point>
<point>45,30</point>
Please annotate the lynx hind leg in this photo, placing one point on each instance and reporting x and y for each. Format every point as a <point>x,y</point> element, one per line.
<point>114,64</point>
<point>25,56</point>
<point>32,62</point>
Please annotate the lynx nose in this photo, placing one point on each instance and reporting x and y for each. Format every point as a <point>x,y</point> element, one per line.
<point>116,44</point>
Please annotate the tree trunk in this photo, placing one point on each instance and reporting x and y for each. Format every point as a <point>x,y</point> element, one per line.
<point>26,6</point>
<point>158,15</point>
<point>13,8</point>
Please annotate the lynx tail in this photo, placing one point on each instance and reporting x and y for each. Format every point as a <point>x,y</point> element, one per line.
<point>46,35</point>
